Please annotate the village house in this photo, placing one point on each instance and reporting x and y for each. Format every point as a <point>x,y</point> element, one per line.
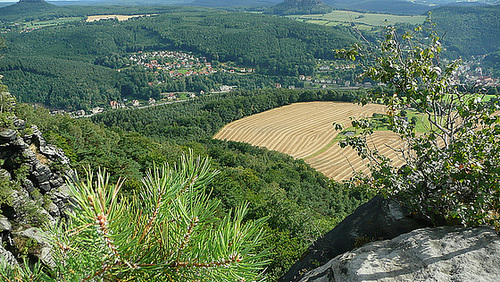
<point>170,96</point>
<point>116,105</point>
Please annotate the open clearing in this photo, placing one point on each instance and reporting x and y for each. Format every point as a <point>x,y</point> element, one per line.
<point>118,17</point>
<point>346,18</point>
<point>305,131</point>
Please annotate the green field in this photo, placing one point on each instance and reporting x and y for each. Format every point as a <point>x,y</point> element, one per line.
<point>37,23</point>
<point>363,20</point>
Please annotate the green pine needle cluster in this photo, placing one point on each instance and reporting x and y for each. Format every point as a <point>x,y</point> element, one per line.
<point>168,231</point>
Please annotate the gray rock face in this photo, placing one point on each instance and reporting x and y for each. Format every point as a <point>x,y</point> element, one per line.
<point>7,135</point>
<point>43,251</point>
<point>379,219</point>
<point>5,224</point>
<point>19,124</point>
<point>429,254</point>
<point>7,257</point>
<point>38,199</point>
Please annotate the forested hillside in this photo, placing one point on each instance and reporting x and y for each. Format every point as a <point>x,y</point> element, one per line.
<point>468,31</point>
<point>300,202</point>
<point>202,118</point>
<point>49,65</point>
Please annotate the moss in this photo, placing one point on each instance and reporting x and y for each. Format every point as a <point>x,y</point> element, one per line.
<point>5,192</point>
<point>26,131</point>
<point>24,246</point>
<point>21,172</point>
<point>46,202</point>
<point>32,215</point>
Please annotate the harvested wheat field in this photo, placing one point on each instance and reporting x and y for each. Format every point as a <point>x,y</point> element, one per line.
<point>118,17</point>
<point>305,130</point>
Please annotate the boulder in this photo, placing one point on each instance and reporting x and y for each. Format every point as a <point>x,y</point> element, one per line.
<point>19,143</point>
<point>28,185</point>
<point>20,124</point>
<point>7,135</point>
<point>44,186</point>
<point>41,172</point>
<point>28,211</point>
<point>378,219</point>
<point>429,254</point>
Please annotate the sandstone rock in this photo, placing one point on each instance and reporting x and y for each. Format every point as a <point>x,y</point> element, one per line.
<point>7,135</point>
<point>44,186</point>
<point>41,172</point>
<point>27,211</point>
<point>19,143</point>
<point>53,210</point>
<point>61,198</point>
<point>378,219</point>
<point>5,174</point>
<point>7,257</point>
<point>30,155</point>
<point>28,185</point>
<point>27,139</point>
<point>5,224</point>
<point>56,182</point>
<point>20,124</point>
<point>37,136</point>
<point>429,254</point>
<point>28,207</point>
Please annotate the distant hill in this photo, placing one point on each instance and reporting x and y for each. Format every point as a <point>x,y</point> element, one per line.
<point>468,31</point>
<point>28,5</point>
<point>233,3</point>
<point>300,7</point>
<point>380,6</point>
<point>26,8</point>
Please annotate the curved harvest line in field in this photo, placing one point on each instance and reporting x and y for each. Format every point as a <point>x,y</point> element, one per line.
<point>305,130</point>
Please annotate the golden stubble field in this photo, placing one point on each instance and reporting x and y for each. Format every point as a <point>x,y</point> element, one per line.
<point>118,17</point>
<point>305,131</point>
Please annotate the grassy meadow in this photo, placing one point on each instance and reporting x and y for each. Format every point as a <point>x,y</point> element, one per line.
<point>365,21</point>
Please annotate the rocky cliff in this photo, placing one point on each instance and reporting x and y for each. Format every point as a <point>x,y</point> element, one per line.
<point>33,192</point>
<point>429,254</point>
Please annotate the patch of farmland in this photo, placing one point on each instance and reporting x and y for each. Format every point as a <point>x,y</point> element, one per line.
<point>118,17</point>
<point>342,17</point>
<point>305,130</point>
<point>340,163</point>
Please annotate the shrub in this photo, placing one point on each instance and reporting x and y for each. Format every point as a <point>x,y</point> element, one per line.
<point>452,170</point>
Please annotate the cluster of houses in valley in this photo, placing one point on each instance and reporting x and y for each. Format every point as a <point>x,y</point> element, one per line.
<point>471,73</point>
<point>330,67</point>
<point>465,75</point>
<point>177,64</point>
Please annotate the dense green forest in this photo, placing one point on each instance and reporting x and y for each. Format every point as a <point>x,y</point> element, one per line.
<point>202,118</point>
<point>300,202</point>
<point>50,65</point>
<point>467,31</point>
